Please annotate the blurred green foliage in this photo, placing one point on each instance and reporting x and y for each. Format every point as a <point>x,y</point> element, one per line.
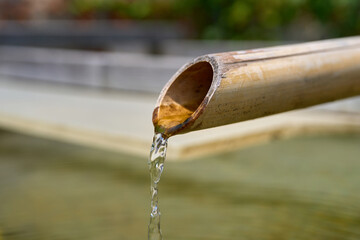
<point>236,19</point>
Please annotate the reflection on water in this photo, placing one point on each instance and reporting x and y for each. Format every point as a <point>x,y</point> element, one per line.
<point>305,188</point>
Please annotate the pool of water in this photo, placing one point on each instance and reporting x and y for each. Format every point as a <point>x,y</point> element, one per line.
<point>304,188</point>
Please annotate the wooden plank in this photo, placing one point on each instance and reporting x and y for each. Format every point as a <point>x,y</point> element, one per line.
<point>122,122</point>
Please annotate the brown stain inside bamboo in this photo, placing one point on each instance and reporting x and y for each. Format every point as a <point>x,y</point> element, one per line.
<point>183,97</point>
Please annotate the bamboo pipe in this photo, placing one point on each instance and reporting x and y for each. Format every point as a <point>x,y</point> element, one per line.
<point>223,88</point>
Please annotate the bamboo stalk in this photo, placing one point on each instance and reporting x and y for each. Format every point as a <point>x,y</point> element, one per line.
<point>223,88</point>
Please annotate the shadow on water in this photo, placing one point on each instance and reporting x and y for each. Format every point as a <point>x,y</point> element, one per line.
<point>304,188</point>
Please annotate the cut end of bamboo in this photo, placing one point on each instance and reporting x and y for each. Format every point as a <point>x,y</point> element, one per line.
<point>183,99</point>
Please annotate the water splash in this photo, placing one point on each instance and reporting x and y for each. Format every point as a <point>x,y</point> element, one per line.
<point>156,167</point>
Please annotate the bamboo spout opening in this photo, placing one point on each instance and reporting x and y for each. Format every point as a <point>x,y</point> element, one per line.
<point>179,102</point>
<point>224,88</point>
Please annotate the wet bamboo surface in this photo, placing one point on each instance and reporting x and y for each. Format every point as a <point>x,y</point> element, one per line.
<point>224,88</point>
<point>304,188</point>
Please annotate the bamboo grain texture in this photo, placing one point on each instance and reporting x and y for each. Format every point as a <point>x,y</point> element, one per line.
<point>244,85</point>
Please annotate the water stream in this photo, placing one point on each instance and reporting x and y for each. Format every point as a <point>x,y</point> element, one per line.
<point>156,167</point>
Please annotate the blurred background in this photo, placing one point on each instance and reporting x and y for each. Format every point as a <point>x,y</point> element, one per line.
<point>290,20</point>
<point>78,83</point>
<point>111,31</point>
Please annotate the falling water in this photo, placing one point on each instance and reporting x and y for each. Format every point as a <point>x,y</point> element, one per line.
<point>156,166</point>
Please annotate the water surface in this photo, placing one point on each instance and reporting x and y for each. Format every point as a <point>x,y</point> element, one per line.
<point>304,188</point>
